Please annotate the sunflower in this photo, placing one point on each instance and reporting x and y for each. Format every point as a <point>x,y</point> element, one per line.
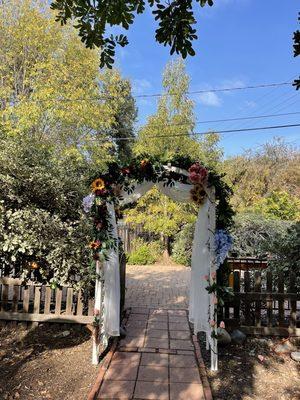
<point>144,163</point>
<point>198,194</point>
<point>95,245</point>
<point>98,184</point>
<point>34,265</point>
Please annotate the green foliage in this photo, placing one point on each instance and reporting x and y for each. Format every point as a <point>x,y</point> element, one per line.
<point>255,175</point>
<point>41,219</point>
<point>296,46</point>
<point>279,205</point>
<point>91,19</point>
<point>182,245</point>
<point>144,253</point>
<point>59,117</point>
<point>175,116</point>
<point>254,235</point>
<point>160,215</point>
<point>285,254</point>
<point>52,89</point>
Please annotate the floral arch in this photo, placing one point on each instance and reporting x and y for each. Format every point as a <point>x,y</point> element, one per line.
<point>183,181</point>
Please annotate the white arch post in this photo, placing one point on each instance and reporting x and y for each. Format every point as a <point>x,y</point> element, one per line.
<point>213,270</point>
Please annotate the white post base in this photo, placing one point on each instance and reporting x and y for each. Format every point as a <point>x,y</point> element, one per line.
<point>95,358</point>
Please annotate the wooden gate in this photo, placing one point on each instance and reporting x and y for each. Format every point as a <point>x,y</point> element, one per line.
<point>263,303</point>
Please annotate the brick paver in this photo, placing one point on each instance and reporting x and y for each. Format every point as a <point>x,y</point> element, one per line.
<point>157,358</point>
<point>154,361</point>
<point>157,286</point>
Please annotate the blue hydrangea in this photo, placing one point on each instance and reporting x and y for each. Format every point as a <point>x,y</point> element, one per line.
<point>223,243</point>
<point>87,202</point>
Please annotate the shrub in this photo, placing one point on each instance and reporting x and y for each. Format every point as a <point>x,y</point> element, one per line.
<point>182,245</point>
<point>285,253</point>
<point>42,230</point>
<point>254,235</point>
<point>144,253</point>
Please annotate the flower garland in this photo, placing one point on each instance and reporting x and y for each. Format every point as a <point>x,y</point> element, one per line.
<point>107,188</point>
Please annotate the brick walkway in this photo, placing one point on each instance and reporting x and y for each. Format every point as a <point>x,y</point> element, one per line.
<point>157,359</point>
<point>156,286</point>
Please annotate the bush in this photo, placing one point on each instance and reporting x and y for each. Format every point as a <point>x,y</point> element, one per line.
<point>144,253</point>
<point>255,235</point>
<point>182,245</point>
<point>43,233</point>
<point>285,253</point>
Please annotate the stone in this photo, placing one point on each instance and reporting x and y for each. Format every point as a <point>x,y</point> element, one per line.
<point>285,347</point>
<point>238,337</point>
<point>223,336</point>
<point>295,355</point>
<point>62,334</point>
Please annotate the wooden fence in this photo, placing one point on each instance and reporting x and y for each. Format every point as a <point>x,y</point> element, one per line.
<point>128,234</point>
<point>36,303</point>
<point>40,303</point>
<point>263,304</point>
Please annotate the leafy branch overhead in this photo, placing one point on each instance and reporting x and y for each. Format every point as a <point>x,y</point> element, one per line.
<point>297,52</point>
<point>92,18</point>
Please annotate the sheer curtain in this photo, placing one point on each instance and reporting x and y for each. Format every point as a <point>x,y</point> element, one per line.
<point>199,297</point>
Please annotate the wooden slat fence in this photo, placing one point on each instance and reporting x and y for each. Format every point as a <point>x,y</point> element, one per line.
<point>129,234</point>
<point>263,303</point>
<point>40,303</point>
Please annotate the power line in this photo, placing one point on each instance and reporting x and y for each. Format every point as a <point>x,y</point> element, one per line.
<point>208,133</point>
<point>230,89</point>
<point>225,120</point>
<point>263,108</point>
<point>214,90</point>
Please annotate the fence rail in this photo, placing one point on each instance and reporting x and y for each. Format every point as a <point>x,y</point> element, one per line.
<point>263,303</point>
<point>40,303</point>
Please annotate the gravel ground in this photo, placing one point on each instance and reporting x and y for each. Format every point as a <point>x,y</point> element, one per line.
<point>242,376</point>
<point>42,363</point>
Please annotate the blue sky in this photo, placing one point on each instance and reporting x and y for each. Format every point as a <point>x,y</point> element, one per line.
<point>241,43</point>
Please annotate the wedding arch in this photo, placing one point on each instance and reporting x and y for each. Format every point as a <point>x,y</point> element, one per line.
<point>184,181</point>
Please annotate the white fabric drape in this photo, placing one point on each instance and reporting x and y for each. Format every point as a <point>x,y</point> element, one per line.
<point>199,298</point>
<point>112,283</point>
<point>139,190</point>
<point>178,192</point>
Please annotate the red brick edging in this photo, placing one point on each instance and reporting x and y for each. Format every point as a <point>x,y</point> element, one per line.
<point>202,370</point>
<point>105,364</point>
<point>104,367</point>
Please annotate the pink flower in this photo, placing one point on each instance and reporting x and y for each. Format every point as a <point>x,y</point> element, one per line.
<point>198,173</point>
<point>96,312</point>
<point>195,178</point>
<point>215,300</point>
<point>212,323</point>
<point>213,275</point>
<point>206,277</point>
<point>195,167</point>
<point>261,358</point>
<point>222,324</point>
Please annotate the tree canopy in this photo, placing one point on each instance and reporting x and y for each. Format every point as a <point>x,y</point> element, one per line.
<point>59,120</point>
<point>174,116</point>
<point>51,88</point>
<point>176,20</point>
<point>266,180</point>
